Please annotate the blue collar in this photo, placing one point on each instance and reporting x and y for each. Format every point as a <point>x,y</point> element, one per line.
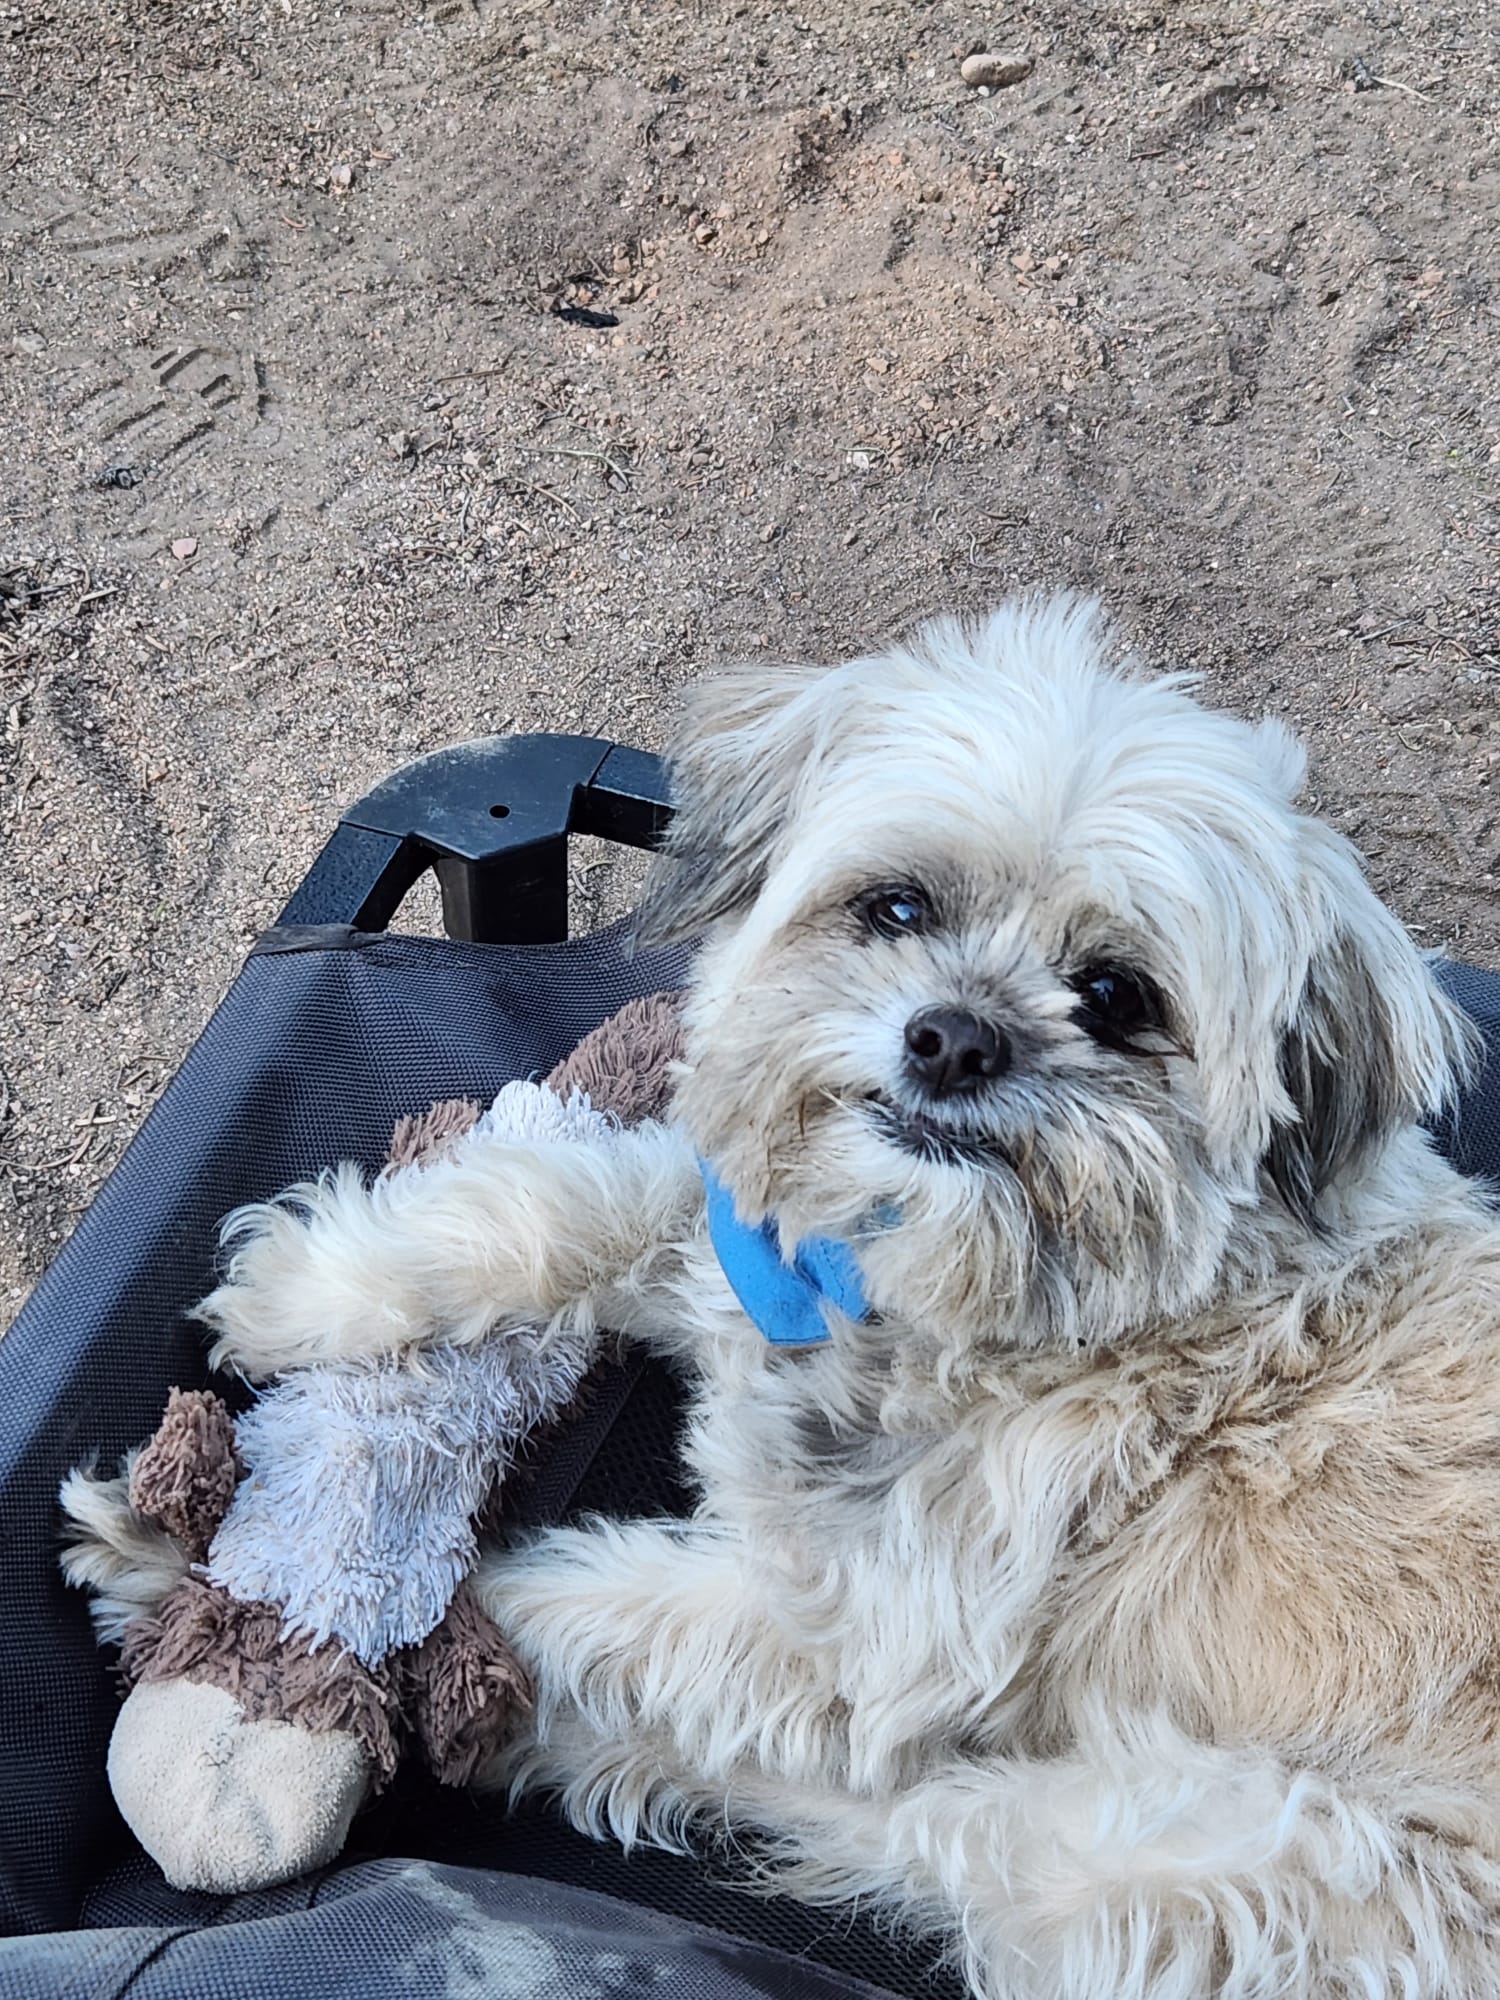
<point>785,1300</point>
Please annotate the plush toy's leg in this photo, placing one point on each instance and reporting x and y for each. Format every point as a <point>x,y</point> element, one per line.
<point>184,1479</point>
<point>512,1232</point>
<point>663,1678</point>
<point>465,1689</point>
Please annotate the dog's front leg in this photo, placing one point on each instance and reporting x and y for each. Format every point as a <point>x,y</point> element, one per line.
<point>664,1678</point>
<point>586,1231</point>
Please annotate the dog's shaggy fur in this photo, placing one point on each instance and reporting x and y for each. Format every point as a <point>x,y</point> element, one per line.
<point>1123,1599</point>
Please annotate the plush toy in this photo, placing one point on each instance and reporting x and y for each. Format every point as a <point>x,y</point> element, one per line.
<point>322,1619</point>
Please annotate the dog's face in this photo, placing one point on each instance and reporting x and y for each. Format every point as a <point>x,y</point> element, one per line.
<point>1032,974</point>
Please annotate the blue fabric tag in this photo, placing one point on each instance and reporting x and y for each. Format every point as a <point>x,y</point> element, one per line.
<point>784,1300</point>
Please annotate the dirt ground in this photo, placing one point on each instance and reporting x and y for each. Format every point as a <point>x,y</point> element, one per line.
<point>305,472</point>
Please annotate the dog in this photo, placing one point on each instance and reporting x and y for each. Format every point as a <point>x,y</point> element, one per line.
<point>1111,1586</point>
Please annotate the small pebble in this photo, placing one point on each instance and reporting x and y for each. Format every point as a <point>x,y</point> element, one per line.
<point>989,71</point>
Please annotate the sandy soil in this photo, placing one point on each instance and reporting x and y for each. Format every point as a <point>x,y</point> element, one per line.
<point>305,472</point>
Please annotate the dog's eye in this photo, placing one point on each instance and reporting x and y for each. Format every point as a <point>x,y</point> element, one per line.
<point>893,913</point>
<point>1114,1006</point>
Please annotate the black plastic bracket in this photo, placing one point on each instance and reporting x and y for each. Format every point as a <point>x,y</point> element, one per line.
<point>492,819</point>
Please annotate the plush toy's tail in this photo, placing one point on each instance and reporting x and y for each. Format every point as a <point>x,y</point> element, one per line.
<point>131,1539</point>
<point>127,1563</point>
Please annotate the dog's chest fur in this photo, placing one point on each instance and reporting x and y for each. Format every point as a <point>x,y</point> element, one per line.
<point>1291,1512</point>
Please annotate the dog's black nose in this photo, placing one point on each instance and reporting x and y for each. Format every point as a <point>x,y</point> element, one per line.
<point>949,1050</point>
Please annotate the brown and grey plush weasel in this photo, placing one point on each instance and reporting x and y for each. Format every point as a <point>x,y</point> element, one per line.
<point>321,1620</point>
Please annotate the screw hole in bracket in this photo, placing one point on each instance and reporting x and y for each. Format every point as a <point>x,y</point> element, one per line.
<point>499,812</point>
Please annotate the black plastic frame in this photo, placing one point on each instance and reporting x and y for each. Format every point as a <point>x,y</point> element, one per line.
<point>491,818</point>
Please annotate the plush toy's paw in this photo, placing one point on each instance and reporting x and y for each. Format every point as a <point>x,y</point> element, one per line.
<point>466,1690</point>
<point>226,1805</point>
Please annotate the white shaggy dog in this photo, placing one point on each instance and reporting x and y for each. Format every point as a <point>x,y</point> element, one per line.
<point>1121,1596</point>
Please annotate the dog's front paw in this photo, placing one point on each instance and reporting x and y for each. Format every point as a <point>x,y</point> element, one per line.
<point>599,1616</point>
<point>556,1601</point>
<point>310,1278</point>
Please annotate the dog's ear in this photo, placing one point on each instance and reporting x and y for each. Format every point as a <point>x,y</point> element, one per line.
<point>1372,1045</point>
<point>745,747</point>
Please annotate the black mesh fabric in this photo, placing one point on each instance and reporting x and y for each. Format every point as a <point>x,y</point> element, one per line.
<point>323,1041</point>
<point>410,1930</point>
<point>1470,1134</point>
